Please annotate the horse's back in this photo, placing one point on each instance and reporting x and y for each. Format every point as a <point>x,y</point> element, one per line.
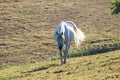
<point>69,31</point>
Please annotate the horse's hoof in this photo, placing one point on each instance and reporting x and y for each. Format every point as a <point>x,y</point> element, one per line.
<point>64,62</point>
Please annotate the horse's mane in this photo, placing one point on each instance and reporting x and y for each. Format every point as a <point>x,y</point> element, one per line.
<point>72,24</point>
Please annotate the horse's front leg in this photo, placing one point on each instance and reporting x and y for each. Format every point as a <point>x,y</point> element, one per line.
<point>61,57</point>
<point>66,51</point>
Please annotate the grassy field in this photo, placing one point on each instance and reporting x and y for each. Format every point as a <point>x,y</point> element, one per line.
<point>29,52</point>
<point>96,67</point>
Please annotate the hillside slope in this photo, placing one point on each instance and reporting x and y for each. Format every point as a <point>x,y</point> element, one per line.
<point>96,67</point>
<point>26,27</point>
<point>26,40</point>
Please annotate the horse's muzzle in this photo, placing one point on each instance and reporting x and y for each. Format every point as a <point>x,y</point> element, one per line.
<point>60,47</point>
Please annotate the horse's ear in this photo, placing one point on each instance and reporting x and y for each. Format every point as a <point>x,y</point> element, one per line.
<point>57,33</point>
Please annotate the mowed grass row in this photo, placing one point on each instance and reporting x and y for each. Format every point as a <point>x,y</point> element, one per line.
<point>98,45</point>
<point>102,66</point>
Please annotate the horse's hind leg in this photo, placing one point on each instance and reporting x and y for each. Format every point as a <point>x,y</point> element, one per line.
<point>66,52</point>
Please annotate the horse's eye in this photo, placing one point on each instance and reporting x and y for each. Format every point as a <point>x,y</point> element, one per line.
<point>61,33</point>
<point>57,33</point>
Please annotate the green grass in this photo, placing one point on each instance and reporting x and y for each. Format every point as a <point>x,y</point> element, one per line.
<point>95,67</point>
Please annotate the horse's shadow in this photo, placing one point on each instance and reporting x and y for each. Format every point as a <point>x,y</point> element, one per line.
<point>45,67</point>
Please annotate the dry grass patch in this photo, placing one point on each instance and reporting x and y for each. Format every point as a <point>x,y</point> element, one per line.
<point>26,27</point>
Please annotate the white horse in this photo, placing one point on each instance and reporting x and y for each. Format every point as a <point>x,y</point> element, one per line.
<point>65,33</point>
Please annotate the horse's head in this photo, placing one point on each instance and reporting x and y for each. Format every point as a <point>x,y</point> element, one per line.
<point>60,40</point>
<point>59,35</point>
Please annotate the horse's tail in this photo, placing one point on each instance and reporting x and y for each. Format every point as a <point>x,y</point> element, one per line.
<point>79,36</point>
